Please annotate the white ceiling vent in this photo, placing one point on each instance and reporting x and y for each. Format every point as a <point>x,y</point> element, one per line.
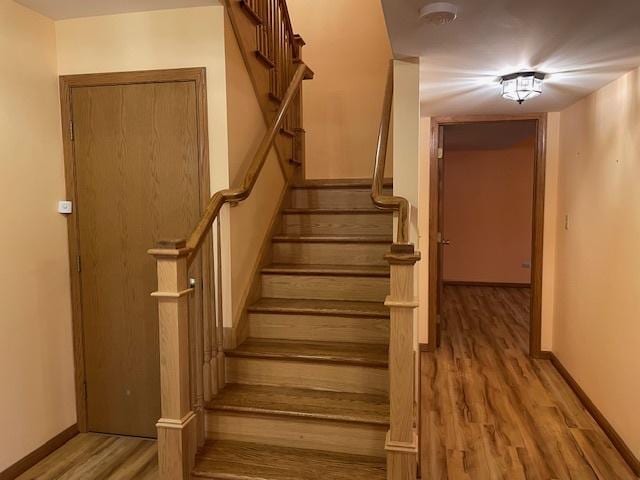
<point>439,13</point>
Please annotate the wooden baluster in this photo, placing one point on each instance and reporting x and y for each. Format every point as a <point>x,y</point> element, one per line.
<point>272,47</point>
<point>402,439</point>
<point>195,362</point>
<point>209,368</point>
<point>219,333</point>
<point>177,441</point>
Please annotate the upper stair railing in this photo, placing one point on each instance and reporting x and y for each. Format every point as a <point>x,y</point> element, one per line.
<point>402,438</point>
<point>191,351</point>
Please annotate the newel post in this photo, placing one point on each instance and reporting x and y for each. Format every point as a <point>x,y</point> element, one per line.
<point>177,441</point>
<point>402,439</point>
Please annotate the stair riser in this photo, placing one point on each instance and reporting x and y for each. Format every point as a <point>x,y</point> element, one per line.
<point>321,328</point>
<point>333,198</point>
<point>340,437</point>
<point>325,287</point>
<point>323,376</point>
<point>337,224</point>
<point>330,253</point>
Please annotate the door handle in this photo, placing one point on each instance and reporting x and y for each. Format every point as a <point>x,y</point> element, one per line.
<point>192,283</point>
<point>445,242</point>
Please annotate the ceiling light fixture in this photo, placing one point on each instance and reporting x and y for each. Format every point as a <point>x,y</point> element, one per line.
<point>439,13</point>
<point>522,86</point>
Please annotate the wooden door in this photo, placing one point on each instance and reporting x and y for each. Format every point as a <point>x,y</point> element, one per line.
<point>136,164</point>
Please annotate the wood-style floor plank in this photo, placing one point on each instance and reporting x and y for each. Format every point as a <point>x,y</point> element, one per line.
<point>98,457</point>
<point>491,412</point>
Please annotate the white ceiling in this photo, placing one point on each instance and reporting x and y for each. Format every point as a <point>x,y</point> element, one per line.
<point>581,44</point>
<point>61,9</point>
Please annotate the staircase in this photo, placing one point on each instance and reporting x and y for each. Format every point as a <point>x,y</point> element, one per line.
<point>307,391</point>
<point>320,382</point>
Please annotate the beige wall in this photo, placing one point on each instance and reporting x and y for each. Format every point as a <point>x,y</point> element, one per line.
<point>348,49</point>
<point>36,361</point>
<point>488,207</point>
<point>250,220</point>
<point>596,331</point>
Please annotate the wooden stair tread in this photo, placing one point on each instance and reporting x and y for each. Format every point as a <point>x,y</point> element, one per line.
<point>345,270</point>
<point>300,402</point>
<point>336,211</point>
<point>232,460</point>
<point>320,307</point>
<point>371,355</point>
<point>334,238</point>
<point>347,183</point>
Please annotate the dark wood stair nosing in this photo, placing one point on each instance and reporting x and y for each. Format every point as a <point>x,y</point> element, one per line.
<point>359,362</point>
<point>336,211</point>
<point>331,239</point>
<point>321,417</point>
<point>304,270</point>
<point>348,313</point>
<point>329,184</point>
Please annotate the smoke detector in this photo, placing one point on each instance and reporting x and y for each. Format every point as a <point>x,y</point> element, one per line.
<point>439,13</point>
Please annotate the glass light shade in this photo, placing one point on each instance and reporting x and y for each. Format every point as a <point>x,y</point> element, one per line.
<point>522,86</point>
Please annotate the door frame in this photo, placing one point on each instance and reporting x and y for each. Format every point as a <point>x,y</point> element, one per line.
<point>67,83</point>
<point>435,175</point>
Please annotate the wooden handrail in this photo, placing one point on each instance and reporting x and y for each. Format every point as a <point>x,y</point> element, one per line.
<point>387,202</point>
<point>238,194</point>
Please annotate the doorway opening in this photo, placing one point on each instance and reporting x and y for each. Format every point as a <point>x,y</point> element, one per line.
<point>486,218</point>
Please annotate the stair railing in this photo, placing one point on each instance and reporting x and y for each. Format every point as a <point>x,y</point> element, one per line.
<point>402,439</point>
<point>280,49</point>
<point>192,357</point>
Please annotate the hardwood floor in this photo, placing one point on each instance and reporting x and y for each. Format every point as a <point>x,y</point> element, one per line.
<point>491,412</point>
<point>92,456</point>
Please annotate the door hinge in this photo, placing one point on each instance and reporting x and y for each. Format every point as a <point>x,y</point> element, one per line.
<point>440,153</point>
<point>78,264</point>
<point>439,237</point>
<point>71,134</point>
<point>84,385</point>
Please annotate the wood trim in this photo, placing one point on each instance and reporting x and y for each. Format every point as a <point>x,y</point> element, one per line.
<point>470,283</point>
<point>614,436</point>
<point>538,217</point>
<point>50,446</point>
<point>67,83</point>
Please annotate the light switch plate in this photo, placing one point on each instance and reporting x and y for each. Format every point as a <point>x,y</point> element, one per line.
<point>65,206</point>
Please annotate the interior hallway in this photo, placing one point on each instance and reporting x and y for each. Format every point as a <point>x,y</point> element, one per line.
<point>491,412</point>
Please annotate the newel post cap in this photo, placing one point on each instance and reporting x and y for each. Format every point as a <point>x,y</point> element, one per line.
<point>170,248</point>
<point>402,254</point>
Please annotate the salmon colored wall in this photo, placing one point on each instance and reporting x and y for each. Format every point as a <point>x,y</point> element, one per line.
<point>488,202</point>
<point>37,396</point>
<point>597,303</point>
<point>250,220</point>
<point>348,49</point>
